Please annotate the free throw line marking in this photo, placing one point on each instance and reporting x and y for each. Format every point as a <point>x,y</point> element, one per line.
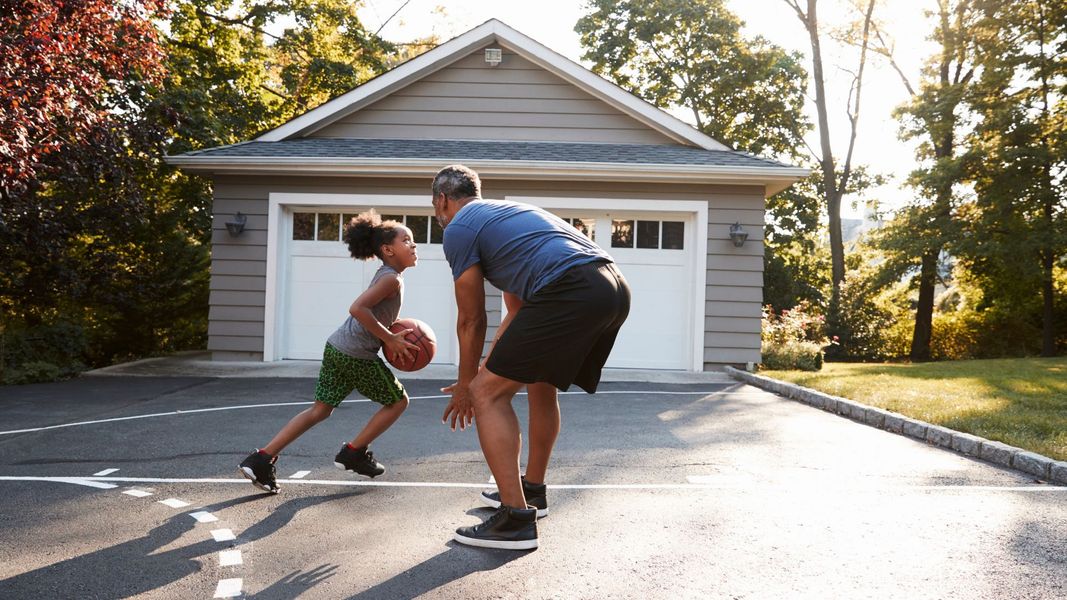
<point>276,404</point>
<point>592,486</point>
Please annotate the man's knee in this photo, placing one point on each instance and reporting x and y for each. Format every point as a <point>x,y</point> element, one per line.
<point>487,389</point>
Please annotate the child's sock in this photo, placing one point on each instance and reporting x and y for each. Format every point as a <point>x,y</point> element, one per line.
<point>351,447</point>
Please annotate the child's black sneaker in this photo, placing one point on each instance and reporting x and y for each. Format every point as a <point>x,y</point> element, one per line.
<point>259,468</point>
<point>535,497</point>
<point>360,461</point>
<point>508,529</point>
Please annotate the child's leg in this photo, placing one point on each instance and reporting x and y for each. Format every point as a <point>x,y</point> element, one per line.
<point>386,416</point>
<point>297,426</point>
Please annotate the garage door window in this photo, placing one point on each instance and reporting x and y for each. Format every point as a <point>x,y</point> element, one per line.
<point>423,228</point>
<point>665,235</point>
<point>586,226</point>
<point>327,227</point>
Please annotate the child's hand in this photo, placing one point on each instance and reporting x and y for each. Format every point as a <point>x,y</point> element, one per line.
<point>398,347</point>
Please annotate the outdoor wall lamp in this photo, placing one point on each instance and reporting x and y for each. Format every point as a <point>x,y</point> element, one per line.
<point>237,225</point>
<point>738,235</point>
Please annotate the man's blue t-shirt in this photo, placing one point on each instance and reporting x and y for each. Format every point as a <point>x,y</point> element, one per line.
<point>521,248</point>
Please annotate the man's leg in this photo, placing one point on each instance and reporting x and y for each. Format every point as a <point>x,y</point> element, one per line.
<point>498,433</point>
<point>544,429</point>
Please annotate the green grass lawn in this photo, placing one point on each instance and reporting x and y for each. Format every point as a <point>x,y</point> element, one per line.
<point>1022,402</point>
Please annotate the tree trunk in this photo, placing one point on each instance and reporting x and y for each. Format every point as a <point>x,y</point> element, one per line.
<point>924,312</point>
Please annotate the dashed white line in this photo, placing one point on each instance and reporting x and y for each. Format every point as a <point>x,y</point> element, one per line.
<point>104,472</point>
<point>138,493</point>
<point>174,503</point>
<point>228,588</point>
<point>223,535</point>
<point>203,516</point>
<point>300,475</point>
<point>229,558</point>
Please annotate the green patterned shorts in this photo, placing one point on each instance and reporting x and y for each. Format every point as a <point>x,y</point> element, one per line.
<point>341,373</point>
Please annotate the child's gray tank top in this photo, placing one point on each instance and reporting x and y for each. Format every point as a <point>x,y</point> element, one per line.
<point>352,339</point>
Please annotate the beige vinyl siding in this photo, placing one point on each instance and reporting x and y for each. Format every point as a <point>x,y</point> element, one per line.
<point>238,277</point>
<point>734,296</point>
<point>732,299</point>
<point>516,100</point>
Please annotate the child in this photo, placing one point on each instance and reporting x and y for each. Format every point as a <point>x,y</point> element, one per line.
<point>350,360</point>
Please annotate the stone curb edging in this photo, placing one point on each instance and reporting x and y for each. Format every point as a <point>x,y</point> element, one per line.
<point>997,453</point>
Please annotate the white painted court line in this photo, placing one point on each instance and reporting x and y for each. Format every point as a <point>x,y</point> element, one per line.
<point>276,404</point>
<point>137,493</point>
<point>592,486</point>
<point>104,472</point>
<point>174,503</point>
<point>228,588</point>
<point>87,482</point>
<point>223,535</point>
<point>300,475</point>
<point>229,558</point>
<point>203,516</point>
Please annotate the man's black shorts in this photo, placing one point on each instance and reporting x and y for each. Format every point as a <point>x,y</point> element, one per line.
<point>563,335</point>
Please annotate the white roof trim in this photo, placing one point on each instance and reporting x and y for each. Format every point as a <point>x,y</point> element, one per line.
<point>461,46</point>
<point>775,179</point>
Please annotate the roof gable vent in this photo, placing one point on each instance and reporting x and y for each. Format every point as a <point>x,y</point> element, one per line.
<point>493,56</point>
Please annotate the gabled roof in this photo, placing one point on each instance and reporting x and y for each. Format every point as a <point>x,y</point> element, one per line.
<point>457,48</point>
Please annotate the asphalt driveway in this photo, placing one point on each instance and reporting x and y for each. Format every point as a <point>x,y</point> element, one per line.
<point>127,487</point>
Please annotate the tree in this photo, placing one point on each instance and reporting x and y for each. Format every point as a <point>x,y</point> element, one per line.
<point>835,180</point>
<point>934,117</point>
<point>746,93</point>
<point>68,67</point>
<point>1017,229</point>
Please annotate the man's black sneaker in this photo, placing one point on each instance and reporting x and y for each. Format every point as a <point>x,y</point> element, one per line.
<point>359,461</point>
<point>535,497</point>
<point>259,468</point>
<point>508,529</point>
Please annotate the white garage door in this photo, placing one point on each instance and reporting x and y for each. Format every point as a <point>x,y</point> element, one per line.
<point>323,280</point>
<point>654,252</point>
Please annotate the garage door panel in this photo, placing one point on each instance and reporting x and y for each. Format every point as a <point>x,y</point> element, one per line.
<point>655,335</point>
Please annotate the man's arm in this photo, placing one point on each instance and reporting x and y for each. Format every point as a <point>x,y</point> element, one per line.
<point>470,328</point>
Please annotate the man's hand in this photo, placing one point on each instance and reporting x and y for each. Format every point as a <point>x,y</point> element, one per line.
<point>459,408</point>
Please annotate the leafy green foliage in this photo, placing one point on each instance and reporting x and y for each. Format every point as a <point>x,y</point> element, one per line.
<point>103,236</point>
<point>793,338</point>
<point>746,93</point>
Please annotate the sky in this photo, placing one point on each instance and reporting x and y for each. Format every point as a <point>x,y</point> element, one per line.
<point>551,22</point>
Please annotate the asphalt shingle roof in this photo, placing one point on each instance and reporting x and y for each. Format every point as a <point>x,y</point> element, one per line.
<point>465,150</point>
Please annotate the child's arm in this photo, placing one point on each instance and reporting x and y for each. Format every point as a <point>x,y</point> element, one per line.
<point>394,343</point>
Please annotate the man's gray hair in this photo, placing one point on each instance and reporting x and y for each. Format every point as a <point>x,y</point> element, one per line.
<point>457,182</point>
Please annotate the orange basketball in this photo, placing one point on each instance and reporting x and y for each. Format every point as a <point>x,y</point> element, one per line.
<point>422,336</point>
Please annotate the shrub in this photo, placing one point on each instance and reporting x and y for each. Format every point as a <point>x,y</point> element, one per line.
<point>793,339</point>
<point>37,371</point>
<point>792,356</point>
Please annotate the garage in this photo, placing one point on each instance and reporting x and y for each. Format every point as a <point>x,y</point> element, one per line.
<point>681,212</point>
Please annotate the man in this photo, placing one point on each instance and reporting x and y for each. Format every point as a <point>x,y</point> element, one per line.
<point>565,304</point>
